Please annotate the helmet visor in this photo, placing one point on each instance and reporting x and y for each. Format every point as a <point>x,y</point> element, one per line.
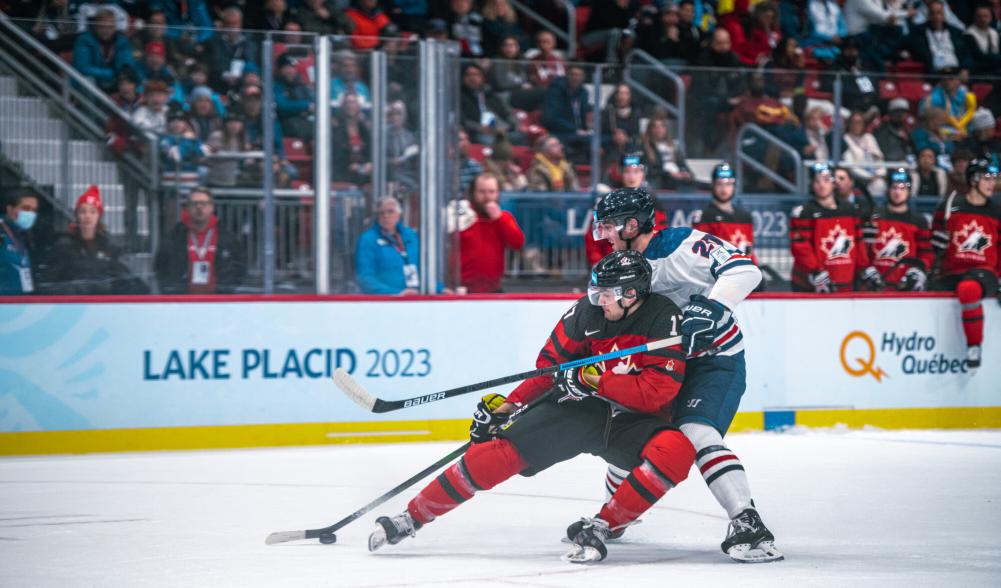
<point>604,295</point>
<point>605,229</point>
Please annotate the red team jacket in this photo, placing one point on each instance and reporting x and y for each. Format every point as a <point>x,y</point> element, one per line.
<point>482,248</point>
<point>647,382</point>
<point>901,240</point>
<point>736,229</point>
<point>826,239</point>
<point>967,236</point>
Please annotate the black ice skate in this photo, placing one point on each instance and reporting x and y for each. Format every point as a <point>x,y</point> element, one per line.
<point>392,530</point>
<point>749,541</point>
<point>617,532</point>
<point>589,537</point>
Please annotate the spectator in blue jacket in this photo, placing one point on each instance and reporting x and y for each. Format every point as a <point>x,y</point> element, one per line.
<point>188,17</point>
<point>15,259</point>
<point>827,29</point>
<point>565,107</point>
<point>293,100</point>
<point>181,150</point>
<point>387,254</point>
<point>102,52</point>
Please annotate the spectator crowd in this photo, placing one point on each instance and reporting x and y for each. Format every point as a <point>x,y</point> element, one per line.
<point>915,79</point>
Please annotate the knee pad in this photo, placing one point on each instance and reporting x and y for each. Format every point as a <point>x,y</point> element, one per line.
<point>701,435</point>
<point>489,464</point>
<point>671,453</point>
<point>969,291</point>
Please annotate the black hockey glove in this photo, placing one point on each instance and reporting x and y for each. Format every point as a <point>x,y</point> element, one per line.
<point>485,420</point>
<point>914,280</point>
<point>701,317</point>
<point>571,384</point>
<point>871,279</point>
<point>821,282</point>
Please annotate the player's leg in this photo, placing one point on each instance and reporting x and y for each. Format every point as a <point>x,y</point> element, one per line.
<point>704,411</point>
<point>661,458</point>
<point>530,442</point>
<point>971,289</point>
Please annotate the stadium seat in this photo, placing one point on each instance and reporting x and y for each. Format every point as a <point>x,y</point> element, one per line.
<point>523,156</point>
<point>888,90</point>
<point>583,14</point>
<point>981,89</point>
<point>297,155</point>
<point>914,89</point>
<point>479,152</point>
<point>908,66</point>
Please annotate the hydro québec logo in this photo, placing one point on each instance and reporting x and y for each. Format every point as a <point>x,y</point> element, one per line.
<point>914,354</point>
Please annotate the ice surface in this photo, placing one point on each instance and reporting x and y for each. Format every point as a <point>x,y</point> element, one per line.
<point>915,508</point>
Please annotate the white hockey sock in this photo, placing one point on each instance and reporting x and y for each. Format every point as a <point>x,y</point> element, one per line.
<point>720,468</point>
<point>613,479</point>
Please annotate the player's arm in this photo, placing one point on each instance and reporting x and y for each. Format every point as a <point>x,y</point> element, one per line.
<point>869,275</point>
<point>801,240</point>
<point>657,384</point>
<point>566,342</point>
<point>734,273</point>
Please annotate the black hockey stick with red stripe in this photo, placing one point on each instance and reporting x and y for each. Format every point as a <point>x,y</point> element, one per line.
<point>326,534</point>
<point>362,398</point>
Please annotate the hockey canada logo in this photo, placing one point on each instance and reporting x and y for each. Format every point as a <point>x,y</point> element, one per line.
<point>971,239</point>
<point>624,365</point>
<point>740,240</point>
<point>891,245</point>
<point>838,244</point>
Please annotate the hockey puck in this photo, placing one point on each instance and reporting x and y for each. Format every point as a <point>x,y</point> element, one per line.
<point>328,539</point>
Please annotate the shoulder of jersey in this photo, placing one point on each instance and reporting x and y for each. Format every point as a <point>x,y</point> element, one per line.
<point>666,242</point>
<point>742,215</point>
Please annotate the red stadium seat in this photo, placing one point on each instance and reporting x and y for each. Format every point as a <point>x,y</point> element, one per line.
<point>478,152</point>
<point>888,89</point>
<point>811,87</point>
<point>914,89</point>
<point>981,89</point>
<point>908,66</point>
<point>523,156</point>
<point>297,154</point>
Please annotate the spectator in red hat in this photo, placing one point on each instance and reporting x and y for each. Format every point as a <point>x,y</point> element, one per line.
<point>199,256</point>
<point>154,63</point>
<point>83,261</point>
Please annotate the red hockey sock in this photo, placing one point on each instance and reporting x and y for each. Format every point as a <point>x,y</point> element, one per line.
<point>667,457</point>
<point>484,466</point>
<point>970,292</point>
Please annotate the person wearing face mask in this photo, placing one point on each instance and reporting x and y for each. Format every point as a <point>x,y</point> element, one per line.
<point>83,260</point>
<point>19,216</point>
<point>901,250</point>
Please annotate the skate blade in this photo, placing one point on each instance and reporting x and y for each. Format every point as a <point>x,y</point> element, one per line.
<point>581,555</point>
<point>765,552</point>
<point>615,537</point>
<point>377,539</point>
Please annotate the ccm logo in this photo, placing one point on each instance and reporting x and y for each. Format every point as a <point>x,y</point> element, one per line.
<point>424,399</point>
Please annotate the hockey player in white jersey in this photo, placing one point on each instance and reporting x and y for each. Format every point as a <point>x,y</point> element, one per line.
<point>707,278</point>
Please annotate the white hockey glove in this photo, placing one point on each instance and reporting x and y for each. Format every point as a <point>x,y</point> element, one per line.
<point>871,279</point>
<point>914,280</point>
<point>821,282</point>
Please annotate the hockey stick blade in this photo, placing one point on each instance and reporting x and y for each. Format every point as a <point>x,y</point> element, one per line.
<point>354,390</point>
<point>284,536</point>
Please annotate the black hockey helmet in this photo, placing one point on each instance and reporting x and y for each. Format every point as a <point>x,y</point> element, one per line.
<point>723,171</point>
<point>900,176</point>
<point>623,204</point>
<point>979,167</point>
<point>618,272</point>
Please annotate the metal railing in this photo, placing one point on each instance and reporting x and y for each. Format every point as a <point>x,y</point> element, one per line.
<point>755,132</point>
<point>87,111</point>
<point>568,36</point>
<point>676,110</point>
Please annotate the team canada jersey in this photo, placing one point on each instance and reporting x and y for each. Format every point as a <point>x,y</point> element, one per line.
<point>645,382</point>
<point>826,239</point>
<point>736,227</point>
<point>687,262</point>
<point>967,235</point>
<point>900,240</point>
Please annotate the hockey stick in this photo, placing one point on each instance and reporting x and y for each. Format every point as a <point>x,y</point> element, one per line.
<point>326,534</point>
<point>362,398</point>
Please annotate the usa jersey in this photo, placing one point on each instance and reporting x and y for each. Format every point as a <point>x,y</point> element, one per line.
<point>900,240</point>
<point>967,236</point>
<point>645,382</point>
<point>687,262</point>
<point>736,227</point>
<point>826,239</point>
